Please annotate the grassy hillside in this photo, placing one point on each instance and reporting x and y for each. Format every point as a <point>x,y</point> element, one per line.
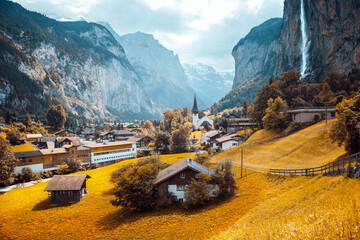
<point>303,208</point>
<point>27,214</point>
<point>309,147</point>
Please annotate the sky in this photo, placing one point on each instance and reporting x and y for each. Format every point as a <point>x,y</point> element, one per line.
<point>199,31</point>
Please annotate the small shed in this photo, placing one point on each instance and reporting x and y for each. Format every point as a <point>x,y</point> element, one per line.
<point>66,189</point>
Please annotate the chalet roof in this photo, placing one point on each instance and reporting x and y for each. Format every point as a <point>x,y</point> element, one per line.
<point>82,148</point>
<point>66,182</point>
<point>179,167</point>
<point>74,140</point>
<point>63,130</point>
<point>195,108</point>
<point>138,138</point>
<point>232,116</point>
<point>215,133</point>
<point>229,137</point>
<point>27,154</point>
<point>309,110</point>
<point>123,132</point>
<point>104,133</point>
<point>96,145</point>
<point>33,135</point>
<point>53,151</point>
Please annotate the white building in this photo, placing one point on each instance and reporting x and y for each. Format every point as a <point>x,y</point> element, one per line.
<point>202,121</point>
<point>229,141</point>
<point>309,115</point>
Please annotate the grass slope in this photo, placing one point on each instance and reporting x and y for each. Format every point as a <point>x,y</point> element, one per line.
<point>303,208</point>
<point>22,148</point>
<point>26,214</point>
<point>310,147</point>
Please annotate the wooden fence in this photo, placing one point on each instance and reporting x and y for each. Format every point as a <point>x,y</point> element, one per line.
<point>337,167</point>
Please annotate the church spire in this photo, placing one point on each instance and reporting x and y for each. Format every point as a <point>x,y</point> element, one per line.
<point>195,107</point>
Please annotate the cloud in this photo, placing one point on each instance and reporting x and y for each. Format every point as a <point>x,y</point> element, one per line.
<point>197,30</point>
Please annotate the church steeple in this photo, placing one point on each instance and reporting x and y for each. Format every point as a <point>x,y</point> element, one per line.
<point>195,107</point>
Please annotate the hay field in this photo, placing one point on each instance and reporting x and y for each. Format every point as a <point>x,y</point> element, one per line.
<point>310,147</point>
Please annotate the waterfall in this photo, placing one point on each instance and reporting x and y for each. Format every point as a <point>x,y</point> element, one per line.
<point>304,44</point>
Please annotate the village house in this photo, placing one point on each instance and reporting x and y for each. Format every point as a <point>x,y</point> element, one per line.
<point>45,142</point>
<point>228,141</point>
<point>142,141</point>
<point>235,123</point>
<point>32,137</point>
<point>51,159</point>
<point>136,131</point>
<point>21,118</point>
<point>67,189</point>
<point>310,114</point>
<point>110,152</point>
<point>62,141</point>
<point>176,177</point>
<point>64,133</point>
<point>122,135</point>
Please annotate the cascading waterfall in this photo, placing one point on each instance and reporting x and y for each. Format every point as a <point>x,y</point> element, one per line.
<point>304,44</point>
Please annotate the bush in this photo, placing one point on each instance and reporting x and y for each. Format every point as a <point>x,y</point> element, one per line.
<point>202,158</point>
<point>74,164</point>
<point>225,178</point>
<point>27,174</point>
<point>8,162</point>
<point>13,136</point>
<point>197,193</point>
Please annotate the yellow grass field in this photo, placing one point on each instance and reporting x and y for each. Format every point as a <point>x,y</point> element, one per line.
<point>310,147</point>
<point>303,208</point>
<point>26,214</point>
<point>196,134</point>
<point>22,148</point>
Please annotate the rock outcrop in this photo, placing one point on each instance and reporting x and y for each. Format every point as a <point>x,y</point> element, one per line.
<point>77,64</point>
<point>332,28</point>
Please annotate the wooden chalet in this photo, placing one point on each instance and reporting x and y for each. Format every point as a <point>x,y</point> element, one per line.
<point>176,177</point>
<point>67,189</point>
<point>62,141</point>
<point>32,137</point>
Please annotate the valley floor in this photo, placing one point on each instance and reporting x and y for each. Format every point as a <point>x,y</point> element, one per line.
<point>265,207</point>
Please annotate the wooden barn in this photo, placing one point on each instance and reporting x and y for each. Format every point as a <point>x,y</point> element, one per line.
<point>66,189</point>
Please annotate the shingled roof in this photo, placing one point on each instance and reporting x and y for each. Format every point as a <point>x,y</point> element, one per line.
<point>179,167</point>
<point>66,182</point>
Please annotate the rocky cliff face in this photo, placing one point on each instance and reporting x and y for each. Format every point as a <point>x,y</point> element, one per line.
<point>209,84</point>
<point>78,64</point>
<point>332,29</point>
<point>257,51</point>
<point>255,58</point>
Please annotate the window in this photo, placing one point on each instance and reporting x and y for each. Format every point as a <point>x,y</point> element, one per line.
<point>197,175</point>
<point>180,187</point>
<point>181,200</point>
<point>182,175</point>
<point>30,160</point>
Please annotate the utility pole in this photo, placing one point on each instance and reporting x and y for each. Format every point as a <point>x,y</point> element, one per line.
<point>242,154</point>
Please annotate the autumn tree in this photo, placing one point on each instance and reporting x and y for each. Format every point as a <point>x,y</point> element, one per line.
<point>106,127</point>
<point>257,110</point>
<point>13,136</point>
<point>135,184</point>
<point>245,106</point>
<point>27,121</point>
<point>74,164</point>
<point>326,97</point>
<point>97,134</point>
<point>224,124</point>
<point>202,158</point>
<point>197,192</point>
<point>8,162</point>
<point>179,139</point>
<point>149,126</point>
<point>274,118</point>
<point>119,127</point>
<point>225,178</point>
<point>346,127</point>
<point>337,82</point>
<point>56,117</point>
<point>162,142</point>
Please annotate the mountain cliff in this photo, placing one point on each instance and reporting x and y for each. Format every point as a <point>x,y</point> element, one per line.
<point>332,29</point>
<point>160,69</point>
<point>209,84</point>
<point>255,58</point>
<point>77,64</point>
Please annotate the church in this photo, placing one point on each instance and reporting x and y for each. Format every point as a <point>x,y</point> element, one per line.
<point>202,121</point>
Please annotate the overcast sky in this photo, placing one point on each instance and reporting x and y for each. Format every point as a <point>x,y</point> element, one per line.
<point>202,31</point>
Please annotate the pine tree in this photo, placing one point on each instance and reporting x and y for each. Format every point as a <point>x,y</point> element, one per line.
<point>245,106</point>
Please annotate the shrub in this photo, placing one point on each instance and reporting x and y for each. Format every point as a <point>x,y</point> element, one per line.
<point>197,192</point>
<point>7,163</point>
<point>13,136</point>
<point>202,158</point>
<point>27,174</point>
<point>74,164</point>
<point>225,178</point>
